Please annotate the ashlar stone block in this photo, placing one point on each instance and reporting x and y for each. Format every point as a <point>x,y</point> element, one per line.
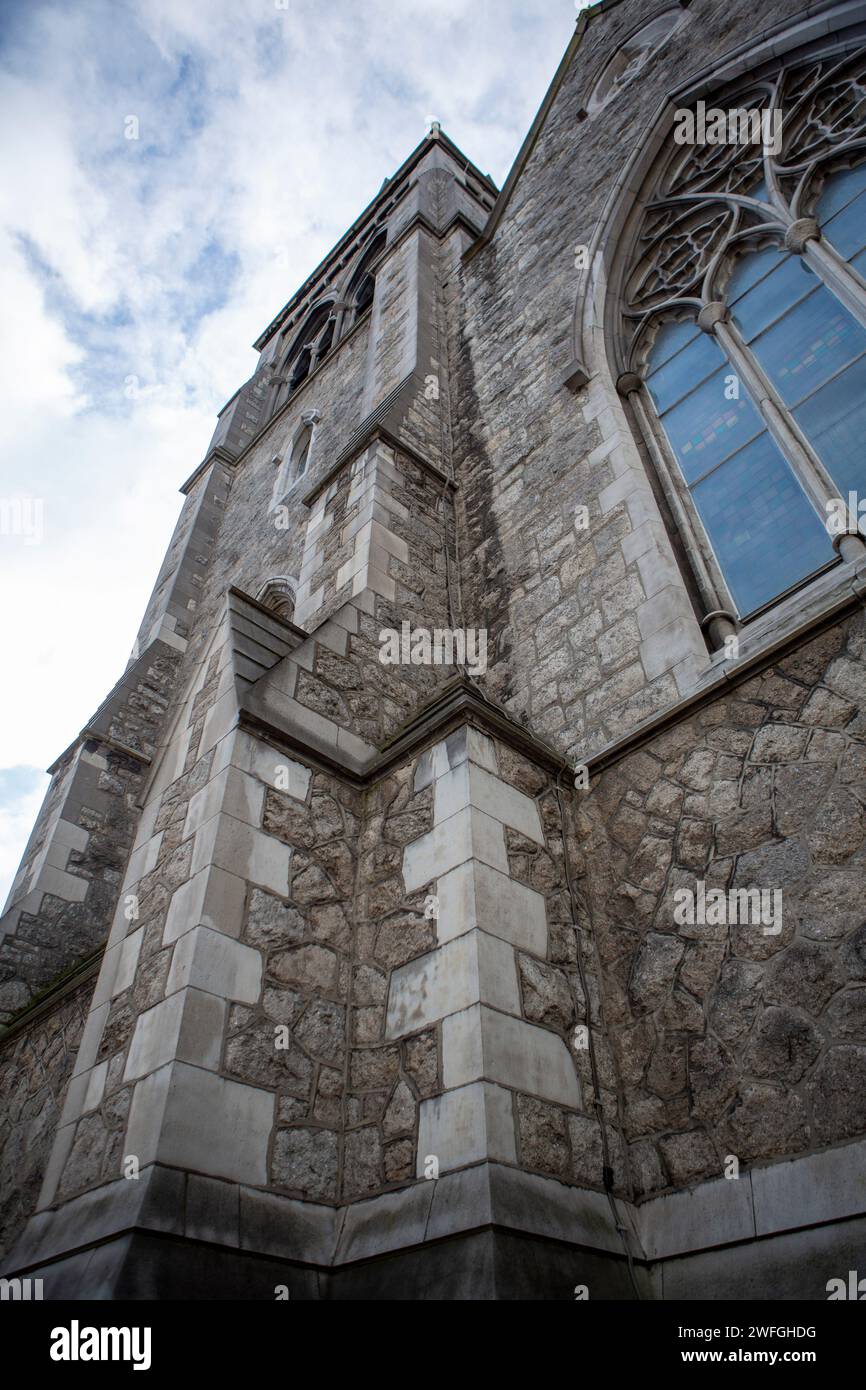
<point>208,960</point>
<point>189,1118</point>
<point>211,898</point>
<point>471,968</point>
<point>476,895</point>
<point>470,834</point>
<point>244,851</point>
<point>465,1126</point>
<point>481,1043</point>
<point>187,1026</point>
<point>470,785</point>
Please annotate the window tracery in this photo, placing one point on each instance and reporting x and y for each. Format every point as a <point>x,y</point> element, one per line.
<point>743,309</point>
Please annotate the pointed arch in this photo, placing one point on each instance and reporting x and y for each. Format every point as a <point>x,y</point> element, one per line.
<point>279,594</point>
<point>719,289</point>
<point>361,282</point>
<point>296,459</point>
<point>309,347</point>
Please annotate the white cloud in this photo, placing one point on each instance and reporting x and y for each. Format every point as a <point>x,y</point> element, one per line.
<point>262,130</point>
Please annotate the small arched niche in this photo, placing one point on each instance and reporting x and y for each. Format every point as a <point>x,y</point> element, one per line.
<point>278,594</point>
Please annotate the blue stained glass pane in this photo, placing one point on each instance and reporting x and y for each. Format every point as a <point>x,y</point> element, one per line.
<point>809,345</point>
<point>839,189</point>
<point>835,421</point>
<point>762,527</point>
<point>705,427</point>
<point>772,296</point>
<point>846,232</point>
<point>683,372</point>
<point>669,339</point>
<point>860,263</point>
<point>752,267</point>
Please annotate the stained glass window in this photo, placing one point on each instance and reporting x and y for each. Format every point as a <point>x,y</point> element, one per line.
<point>766,532</point>
<point>811,348</point>
<point>746,494</point>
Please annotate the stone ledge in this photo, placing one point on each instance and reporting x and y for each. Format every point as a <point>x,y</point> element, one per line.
<point>664,1230</point>
<point>846,597</point>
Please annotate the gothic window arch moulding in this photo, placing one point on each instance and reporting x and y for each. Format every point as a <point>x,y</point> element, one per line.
<point>360,285</point>
<point>326,323</point>
<point>735,317</point>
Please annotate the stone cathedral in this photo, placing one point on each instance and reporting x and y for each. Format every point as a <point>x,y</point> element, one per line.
<point>460,895</point>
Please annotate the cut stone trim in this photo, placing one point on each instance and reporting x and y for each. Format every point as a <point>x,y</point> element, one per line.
<point>770,1206</point>
<point>469,982</point>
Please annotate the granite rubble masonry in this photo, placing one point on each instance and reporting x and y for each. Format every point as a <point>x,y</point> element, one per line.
<point>730,1040</point>
<point>330,971</point>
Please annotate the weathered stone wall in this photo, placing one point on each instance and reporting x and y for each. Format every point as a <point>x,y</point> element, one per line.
<point>320,976</point>
<point>303,910</point>
<point>35,1066</point>
<point>348,1123</point>
<point>594,628</point>
<point>728,1039</point>
<point>64,896</point>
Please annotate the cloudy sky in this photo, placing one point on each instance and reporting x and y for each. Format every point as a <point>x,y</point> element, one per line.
<point>170,172</point>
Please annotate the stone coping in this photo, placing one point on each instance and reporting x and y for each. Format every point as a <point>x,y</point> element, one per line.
<point>458,702</point>
<point>766,1201</point>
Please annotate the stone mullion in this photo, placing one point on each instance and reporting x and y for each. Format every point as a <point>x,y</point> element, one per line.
<point>808,467</point>
<point>837,274</point>
<point>810,471</point>
<point>714,591</point>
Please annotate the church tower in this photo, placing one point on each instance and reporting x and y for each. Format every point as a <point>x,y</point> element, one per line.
<point>459,894</point>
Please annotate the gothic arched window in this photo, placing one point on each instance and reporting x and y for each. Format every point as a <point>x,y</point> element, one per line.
<point>301,452</point>
<point>293,465</point>
<point>745,324</point>
<point>362,286</point>
<point>309,347</point>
